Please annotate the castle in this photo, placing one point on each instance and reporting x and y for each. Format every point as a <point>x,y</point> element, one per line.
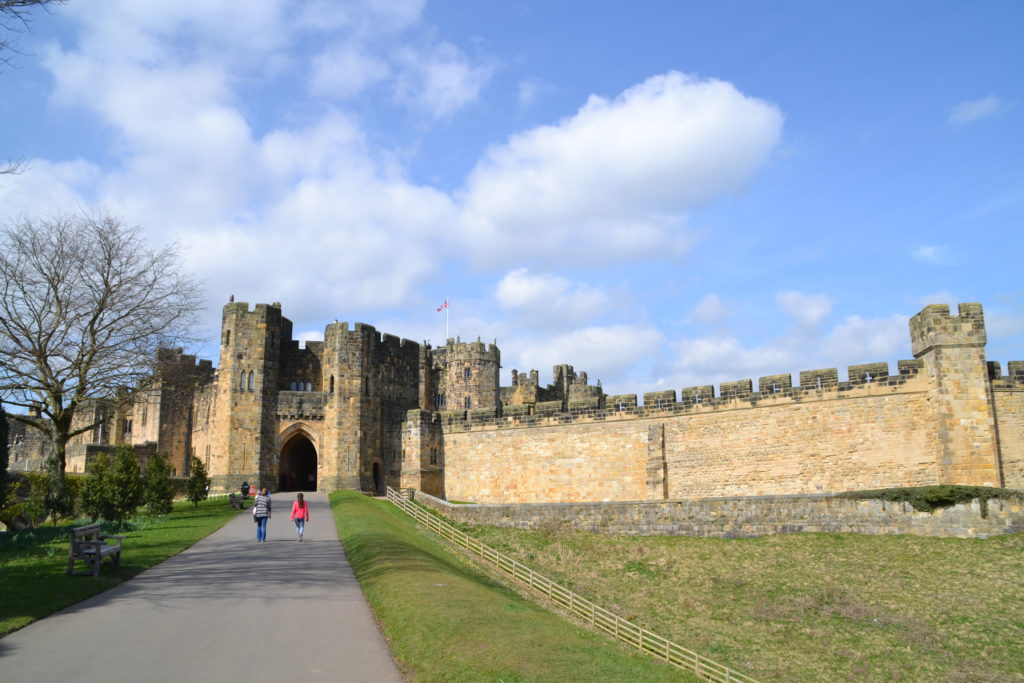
<point>363,410</point>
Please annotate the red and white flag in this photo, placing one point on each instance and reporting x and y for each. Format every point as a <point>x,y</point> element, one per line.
<point>442,306</point>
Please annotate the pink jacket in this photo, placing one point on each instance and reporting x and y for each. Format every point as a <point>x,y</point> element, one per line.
<point>302,512</point>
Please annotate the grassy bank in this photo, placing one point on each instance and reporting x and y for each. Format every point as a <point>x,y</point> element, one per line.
<point>822,607</point>
<point>447,622</point>
<point>33,582</point>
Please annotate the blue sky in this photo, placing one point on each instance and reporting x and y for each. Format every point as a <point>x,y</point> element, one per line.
<point>661,194</point>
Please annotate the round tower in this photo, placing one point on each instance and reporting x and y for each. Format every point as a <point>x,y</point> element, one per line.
<point>469,375</point>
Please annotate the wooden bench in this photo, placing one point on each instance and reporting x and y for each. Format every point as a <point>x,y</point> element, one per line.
<point>91,545</point>
<point>236,500</point>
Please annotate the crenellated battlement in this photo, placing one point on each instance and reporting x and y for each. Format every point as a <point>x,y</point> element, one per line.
<point>867,379</point>
<point>1014,379</point>
<point>934,326</point>
<point>458,350</point>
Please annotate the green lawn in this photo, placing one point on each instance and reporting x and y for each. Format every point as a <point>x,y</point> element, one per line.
<point>446,621</point>
<point>806,607</point>
<point>33,582</point>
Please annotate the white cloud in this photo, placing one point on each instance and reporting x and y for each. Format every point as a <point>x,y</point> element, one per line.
<point>607,352</point>
<point>716,359</point>
<point>713,359</point>
<point>439,79</point>
<point>545,300</point>
<point>345,70</point>
<point>859,340</point>
<point>711,309</point>
<point>806,310</point>
<point>616,180</point>
<point>59,186</point>
<point>529,89</point>
<point>970,111</point>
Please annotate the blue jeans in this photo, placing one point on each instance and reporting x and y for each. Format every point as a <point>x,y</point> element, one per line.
<point>300,526</point>
<point>261,528</point>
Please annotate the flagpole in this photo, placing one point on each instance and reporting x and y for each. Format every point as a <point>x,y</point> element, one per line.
<point>446,305</point>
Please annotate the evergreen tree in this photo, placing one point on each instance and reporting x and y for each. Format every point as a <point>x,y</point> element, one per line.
<point>96,493</point>
<point>125,485</point>
<point>159,490</point>
<point>198,483</point>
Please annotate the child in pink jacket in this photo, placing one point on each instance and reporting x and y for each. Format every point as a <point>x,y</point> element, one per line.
<point>300,515</point>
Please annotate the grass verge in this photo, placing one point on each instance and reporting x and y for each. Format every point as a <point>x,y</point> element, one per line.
<point>446,621</point>
<point>802,607</point>
<point>33,582</point>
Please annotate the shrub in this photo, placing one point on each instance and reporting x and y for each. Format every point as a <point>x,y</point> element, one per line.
<point>4,455</point>
<point>931,498</point>
<point>158,489</point>
<point>95,492</point>
<point>125,486</point>
<point>198,483</point>
<point>34,505</point>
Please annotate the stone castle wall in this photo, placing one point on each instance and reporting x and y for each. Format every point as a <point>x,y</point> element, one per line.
<point>944,418</point>
<point>1008,403</point>
<point>844,436</point>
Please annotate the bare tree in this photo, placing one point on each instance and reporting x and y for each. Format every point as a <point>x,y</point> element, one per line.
<point>15,17</point>
<point>84,307</point>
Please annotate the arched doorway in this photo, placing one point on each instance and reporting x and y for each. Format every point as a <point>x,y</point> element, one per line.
<point>297,469</point>
<point>378,480</point>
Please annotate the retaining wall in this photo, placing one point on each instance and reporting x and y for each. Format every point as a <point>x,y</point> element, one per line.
<point>745,517</point>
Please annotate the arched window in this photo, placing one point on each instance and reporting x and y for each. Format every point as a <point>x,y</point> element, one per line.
<point>309,386</point>
<point>241,381</point>
<point>468,372</point>
<point>469,402</point>
<point>250,380</point>
<point>332,384</point>
<point>293,386</point>
<point>227,337</point>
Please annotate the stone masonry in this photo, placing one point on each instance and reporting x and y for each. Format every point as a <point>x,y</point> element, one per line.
<point>364,410</point>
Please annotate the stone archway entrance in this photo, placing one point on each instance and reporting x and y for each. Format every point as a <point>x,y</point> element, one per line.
<point>378,480</point>
<point>297,470</point>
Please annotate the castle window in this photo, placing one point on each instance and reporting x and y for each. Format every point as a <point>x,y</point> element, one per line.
<point>293,386</point>
<point>659,404</point>
<point>468,373</point>
<point>332,384</point>
<point>241,381</point>
<point>439,401</point>
<point>251,383</point>
<point>433,456</point>
<point>366,386</point>
<point>227,337</point>
<point>622,406</point>
<point>144,411</point>
<point>309,386</point>
<point>469,403</point>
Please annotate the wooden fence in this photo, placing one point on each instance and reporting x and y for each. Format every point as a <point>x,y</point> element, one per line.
<point>598,617</point>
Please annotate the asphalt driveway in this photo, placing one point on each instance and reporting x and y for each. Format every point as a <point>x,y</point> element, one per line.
<point>226,608</point>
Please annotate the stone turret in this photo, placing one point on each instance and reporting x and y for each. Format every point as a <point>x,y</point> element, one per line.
<point>248,371</point>
<point>468,376</point>
<point>953,351</point>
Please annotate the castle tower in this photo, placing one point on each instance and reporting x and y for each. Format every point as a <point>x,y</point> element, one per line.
<point>469,375</point>
<point>248,382</point>
<point>953,351</point>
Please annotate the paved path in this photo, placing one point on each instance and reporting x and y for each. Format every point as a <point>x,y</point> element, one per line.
<point>227,608</point>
